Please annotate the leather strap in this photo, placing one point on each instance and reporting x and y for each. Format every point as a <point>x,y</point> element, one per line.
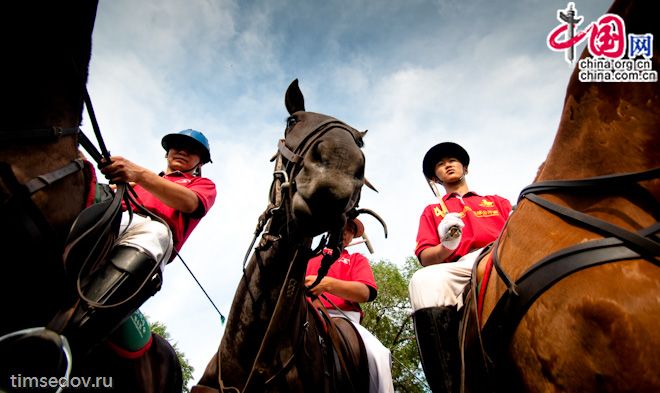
<point>644,246</point>
<point>511,308</point>
<point>45,134</point>
<point>49,178</point>
<point>606,181</point>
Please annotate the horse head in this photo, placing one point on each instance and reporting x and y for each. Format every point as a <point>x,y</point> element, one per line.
<point>322,159</point>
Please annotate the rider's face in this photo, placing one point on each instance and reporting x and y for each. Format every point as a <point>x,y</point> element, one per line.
<point>347,237</point>
<point>183,158</point>
<point>449,170</point>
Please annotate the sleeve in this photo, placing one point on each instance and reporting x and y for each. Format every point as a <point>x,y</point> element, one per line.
<point>313,266</point>
<point>361,271</point>
<point>427,233</point>
<point>505,207</point>
<point>206,193</point>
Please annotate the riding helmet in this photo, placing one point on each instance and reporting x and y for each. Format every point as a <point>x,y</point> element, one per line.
<point>438,152</point>
<point>187,136</point>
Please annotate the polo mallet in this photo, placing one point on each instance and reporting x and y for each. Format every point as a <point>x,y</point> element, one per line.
<point>364,240</point>
<point>455,230</point>
<point>436,192</point>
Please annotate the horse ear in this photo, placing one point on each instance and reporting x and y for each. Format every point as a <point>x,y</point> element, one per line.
<point>293,99</point>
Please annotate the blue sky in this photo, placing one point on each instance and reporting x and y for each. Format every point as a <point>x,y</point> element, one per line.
<point>414,73</point>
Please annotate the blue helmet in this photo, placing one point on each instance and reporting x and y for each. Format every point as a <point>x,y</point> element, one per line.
<point>187,136</point>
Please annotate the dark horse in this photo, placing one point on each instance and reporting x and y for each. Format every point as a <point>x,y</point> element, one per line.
<point>43,187</point>
<point>574,304</point>
<point>272,342</point>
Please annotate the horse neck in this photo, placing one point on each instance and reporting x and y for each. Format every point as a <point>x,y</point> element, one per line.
<point>609,128</point>
<point>48,50</point>
<point>606,129</point>
<point>253,307</point>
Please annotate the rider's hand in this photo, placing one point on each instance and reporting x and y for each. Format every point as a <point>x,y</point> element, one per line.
<point>322,286</point>
<point>119,169</point>
<point>450,230</point>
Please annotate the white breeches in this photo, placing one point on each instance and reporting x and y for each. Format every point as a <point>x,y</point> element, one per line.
<point>380,360</point>
<point>147,235</point>
<point>442,284</point>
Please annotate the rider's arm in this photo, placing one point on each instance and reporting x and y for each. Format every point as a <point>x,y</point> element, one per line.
<point>434,255</point>
<point>353,291</point>
<point>173,195</point>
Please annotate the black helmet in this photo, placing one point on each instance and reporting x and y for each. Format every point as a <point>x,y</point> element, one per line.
<point>437,152</point>
<point>189,136</point>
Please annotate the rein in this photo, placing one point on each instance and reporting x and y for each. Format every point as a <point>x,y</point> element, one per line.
<point>618,244</point>
<point>53,134</point>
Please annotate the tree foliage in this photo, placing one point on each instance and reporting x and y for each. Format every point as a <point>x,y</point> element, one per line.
<point>389,318</point>
<point>186,369</point>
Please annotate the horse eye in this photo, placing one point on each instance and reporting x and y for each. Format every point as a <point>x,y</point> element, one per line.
<point>291,121</point>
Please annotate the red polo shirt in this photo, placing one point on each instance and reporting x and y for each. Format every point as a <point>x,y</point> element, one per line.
<point>181,224</point>
<point>484,218</point>
<point>349,267</point>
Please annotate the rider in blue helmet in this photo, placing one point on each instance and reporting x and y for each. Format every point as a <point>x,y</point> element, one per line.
<point>173,203</point>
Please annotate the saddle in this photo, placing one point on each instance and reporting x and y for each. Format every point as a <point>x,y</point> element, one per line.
<point>346,359</point>
<point>92,234</point>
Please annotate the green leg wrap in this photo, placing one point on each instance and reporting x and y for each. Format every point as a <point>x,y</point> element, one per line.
<point>134,334</point>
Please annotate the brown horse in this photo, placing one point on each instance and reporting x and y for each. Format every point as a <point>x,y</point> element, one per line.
<point>272,342</point>
<point>574,306</point>
<point>43,188</point>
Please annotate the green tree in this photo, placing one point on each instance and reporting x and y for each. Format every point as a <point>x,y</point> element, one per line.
<point>186,369</point>
<point>389,318</point>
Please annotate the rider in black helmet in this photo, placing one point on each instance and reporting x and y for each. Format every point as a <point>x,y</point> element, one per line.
<point>450,236</point>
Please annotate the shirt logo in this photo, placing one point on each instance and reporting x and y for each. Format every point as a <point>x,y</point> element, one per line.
<point>486,203</point>
<point>345,261</point>
<point>183,181</point>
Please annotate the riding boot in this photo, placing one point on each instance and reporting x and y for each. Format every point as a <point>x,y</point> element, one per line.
<point>112,293</point>
<point>436,329</point>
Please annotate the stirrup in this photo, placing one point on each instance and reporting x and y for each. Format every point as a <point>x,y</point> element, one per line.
<point>41,336</point>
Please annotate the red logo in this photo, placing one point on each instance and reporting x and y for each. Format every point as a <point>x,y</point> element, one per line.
<point>607,36</point>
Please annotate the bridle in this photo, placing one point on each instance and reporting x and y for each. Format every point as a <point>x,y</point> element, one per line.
<point>288,163</point>
<point>618,244</point>
<point>295,155</point>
